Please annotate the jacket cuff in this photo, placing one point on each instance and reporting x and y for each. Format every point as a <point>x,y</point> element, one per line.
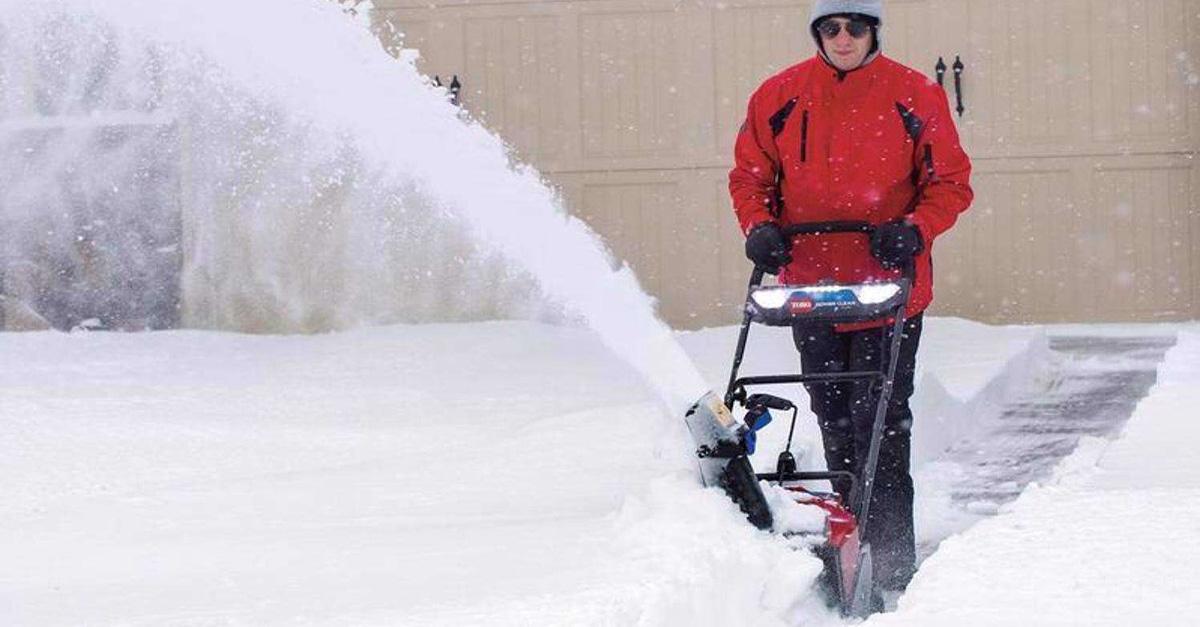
<point>753,222</point>
<point>923,228</point>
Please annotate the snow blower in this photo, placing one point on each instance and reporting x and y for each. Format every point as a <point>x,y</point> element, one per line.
<point>724,444</point>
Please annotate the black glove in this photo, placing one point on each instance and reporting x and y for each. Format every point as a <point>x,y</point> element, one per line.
<point>767,248</point>
<point>895,243</point>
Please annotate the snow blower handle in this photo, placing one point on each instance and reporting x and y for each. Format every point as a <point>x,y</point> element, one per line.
<point>792,231</point>
<point>823,228</point>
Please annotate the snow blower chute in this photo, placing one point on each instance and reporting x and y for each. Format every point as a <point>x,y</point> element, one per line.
<point>724,443</point>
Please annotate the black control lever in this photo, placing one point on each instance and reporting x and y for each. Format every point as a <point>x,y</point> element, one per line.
<point>770,402</point>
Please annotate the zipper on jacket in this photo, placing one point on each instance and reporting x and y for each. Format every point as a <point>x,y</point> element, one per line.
<point>804,137</point>
<point>921,183</point>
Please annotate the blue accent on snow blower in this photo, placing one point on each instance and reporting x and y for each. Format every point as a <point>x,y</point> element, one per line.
<point>756,419</point>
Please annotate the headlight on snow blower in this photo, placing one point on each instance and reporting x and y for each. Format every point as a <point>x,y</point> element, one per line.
<point>784,305</point>
<point>875,293</point>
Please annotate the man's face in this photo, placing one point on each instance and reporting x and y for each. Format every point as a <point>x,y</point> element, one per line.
<point>846,41</point>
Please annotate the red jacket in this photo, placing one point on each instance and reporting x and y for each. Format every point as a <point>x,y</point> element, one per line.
<point>874,144</point>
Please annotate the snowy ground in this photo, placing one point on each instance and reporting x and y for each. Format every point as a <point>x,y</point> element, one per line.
<point>1110,540</point>
<point>513,473</point>
<point>500,473</point>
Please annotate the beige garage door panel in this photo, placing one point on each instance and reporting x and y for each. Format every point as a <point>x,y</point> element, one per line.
<point>734,267</point>
<point>1193,236</point>
<point>415,34</point>
<point>1025,77</point>
<point>752,42</point>
<point>1140,90</point>
<point>1111,240</point>
<point>1005,258</point>
<point>916,33</point>
<point>632,101</point>
<point>518,65</point>
<point>635,217</point>
<point>436,35</point>
<point>1144,263</point>
<point>1076,77</point>
<point>516,73</point>
<point>664,225</point>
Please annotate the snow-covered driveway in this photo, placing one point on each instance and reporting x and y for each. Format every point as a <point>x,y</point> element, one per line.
<point>500,473</point>
<point>494,473</point>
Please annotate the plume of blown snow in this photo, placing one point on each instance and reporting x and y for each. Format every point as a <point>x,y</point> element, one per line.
<point>325,182</point>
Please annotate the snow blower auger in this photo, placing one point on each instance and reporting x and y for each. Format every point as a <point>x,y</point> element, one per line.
<point>724,444</point>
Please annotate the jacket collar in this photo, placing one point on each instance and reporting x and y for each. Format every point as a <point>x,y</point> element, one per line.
<point>855,81</point>
<point>841,75</point>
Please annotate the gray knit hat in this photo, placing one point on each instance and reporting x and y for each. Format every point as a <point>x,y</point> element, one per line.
<point>870,8</point>
<point>825,8</point>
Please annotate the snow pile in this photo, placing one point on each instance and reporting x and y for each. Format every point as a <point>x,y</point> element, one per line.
<point>966,372</point>
<point>1110,542</point>
<point>692,560</point>
<point>965,368</point>
<point>490,473</point>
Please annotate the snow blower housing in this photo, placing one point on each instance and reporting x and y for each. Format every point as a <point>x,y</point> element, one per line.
<point>724,443</point>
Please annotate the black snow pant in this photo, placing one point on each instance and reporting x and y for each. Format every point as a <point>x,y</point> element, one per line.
<point>846,411</point>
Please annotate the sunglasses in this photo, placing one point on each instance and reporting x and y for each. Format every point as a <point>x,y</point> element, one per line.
<point>830,29</point>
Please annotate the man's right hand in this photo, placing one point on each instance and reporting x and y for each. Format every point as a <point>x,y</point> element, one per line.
<point>767,247</point>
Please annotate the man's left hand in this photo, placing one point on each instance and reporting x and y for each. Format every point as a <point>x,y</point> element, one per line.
<point>895,243</point>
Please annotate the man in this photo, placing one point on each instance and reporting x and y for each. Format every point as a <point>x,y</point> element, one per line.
<point>852,135</point>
